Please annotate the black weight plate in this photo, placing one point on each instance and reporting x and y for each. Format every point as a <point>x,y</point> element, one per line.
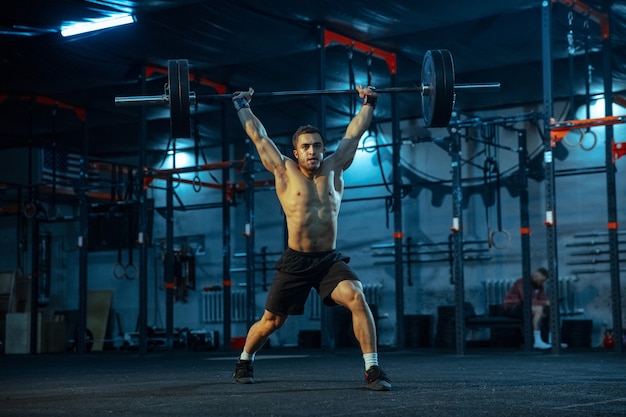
<point>438,92</point>
<point>178,78</point>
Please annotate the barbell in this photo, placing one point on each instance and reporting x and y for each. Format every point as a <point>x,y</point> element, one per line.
<point>437,90</point>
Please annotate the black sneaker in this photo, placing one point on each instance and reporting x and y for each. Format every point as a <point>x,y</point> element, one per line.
<point>243,372</point>
<point>377,379</point>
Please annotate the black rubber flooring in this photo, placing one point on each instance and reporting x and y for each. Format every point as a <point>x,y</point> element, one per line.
<point>303,382</point>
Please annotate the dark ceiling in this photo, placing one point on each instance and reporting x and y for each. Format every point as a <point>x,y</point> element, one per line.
<point>47,81</point>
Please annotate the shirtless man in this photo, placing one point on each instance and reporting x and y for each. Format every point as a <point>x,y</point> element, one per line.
<point>310,190</point>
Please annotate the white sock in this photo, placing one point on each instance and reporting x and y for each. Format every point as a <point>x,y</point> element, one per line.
<point>537,335</point>
<point>245,356</point>
<point>371,359</point>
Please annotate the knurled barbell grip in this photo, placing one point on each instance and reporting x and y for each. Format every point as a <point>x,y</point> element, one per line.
<point>470,87</point>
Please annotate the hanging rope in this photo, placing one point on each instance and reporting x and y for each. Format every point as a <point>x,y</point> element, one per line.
<point>130,270</point>
<point>351,80</point>
<point>589,70</point>
<point>571,51</point>
<point>589,133</point>
<point>369,68</point>
<point>53,209</point>
<point>499,238</point>
<point>196,183</point>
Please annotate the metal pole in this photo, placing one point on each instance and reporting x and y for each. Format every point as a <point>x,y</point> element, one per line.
<point>525,237</point>
<point>550,219</point>
<point>616,298</point>
<point>34,282</point>
<point>83,245</point>
<point>397,220</point>
<point>457,242</point>
<point>249,233</point>
<point>142,229</point>
<point>170,282</point>
<point>226,247</point>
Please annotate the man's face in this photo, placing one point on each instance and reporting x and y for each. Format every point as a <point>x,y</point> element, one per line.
<point>309,151</point>
<point>539,279</point>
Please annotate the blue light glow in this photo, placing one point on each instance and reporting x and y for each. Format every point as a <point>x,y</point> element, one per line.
<point>84,27</point>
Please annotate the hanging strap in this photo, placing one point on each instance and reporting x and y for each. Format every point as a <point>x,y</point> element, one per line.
<point>351,81</point>
<point>487,189</point>
<point>498,238</point>
<point>196,183</point>
<point>571,51</point>
<point>119,270</point>
<point>130,271</point>
<point>589,72</point>
<point>498,200</point>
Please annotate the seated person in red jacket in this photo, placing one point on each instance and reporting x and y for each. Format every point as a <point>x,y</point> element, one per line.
<point>514,299</point>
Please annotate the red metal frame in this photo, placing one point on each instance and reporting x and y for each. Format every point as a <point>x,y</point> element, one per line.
<point>388,57</point>
<point>80,112</point>
<point>601,18</point>
<point>619,150</point>
<point>619,100</point>
<point>220,88</point>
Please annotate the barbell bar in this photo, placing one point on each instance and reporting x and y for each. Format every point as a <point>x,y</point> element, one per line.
<point>387,90</point>
<point>164,98</point>
<point>437,90</point>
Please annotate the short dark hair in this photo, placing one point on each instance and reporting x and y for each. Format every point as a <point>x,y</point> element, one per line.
<point>544,272</point>
<point>306,129</point>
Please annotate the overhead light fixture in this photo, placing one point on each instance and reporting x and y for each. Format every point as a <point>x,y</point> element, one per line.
<point>109,22</point>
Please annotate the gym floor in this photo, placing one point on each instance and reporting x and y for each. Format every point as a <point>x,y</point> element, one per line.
<point>307,382</point>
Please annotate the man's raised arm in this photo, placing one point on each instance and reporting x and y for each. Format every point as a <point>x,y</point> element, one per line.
<point>270,156</point>
<point>357,126</point>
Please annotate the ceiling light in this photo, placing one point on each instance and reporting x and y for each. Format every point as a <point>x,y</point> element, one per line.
<point>99,24</point>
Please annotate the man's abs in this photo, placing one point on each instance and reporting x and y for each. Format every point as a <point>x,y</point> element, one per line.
<point>312,236</point>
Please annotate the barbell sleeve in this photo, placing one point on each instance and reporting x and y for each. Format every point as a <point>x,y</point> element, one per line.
<point>150,100</point>
<point>142,100</point>
<point>477,87</point>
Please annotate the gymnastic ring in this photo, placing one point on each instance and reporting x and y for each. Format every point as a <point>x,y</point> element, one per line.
<point>593,143</point>
<point>494,238</point>
<point>581,135</point>
<point>175,180</point>
<point>119,271</point>
<point>130,271</point>
<point>196,184</point>
<point>372,148</point>
<point>53,212</point>
<point>29,210</point>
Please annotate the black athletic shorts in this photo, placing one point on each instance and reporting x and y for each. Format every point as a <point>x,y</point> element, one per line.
<point>298,272</point>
